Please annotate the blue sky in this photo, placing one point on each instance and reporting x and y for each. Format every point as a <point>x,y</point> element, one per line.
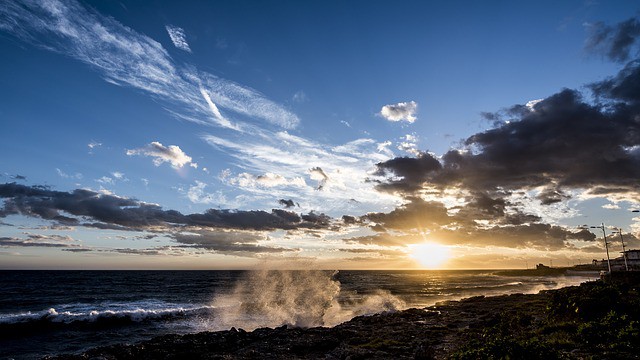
<point>304,108</point>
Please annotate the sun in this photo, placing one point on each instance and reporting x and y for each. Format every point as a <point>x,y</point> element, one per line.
<point>430,255</point>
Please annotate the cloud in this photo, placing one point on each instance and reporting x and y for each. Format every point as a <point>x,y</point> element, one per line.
<point>416,214</point>
<point>409,144</point>
<point>118,175</point>
<point>161,154</point>
<point>404,111</point>
<point>178,37</point>
<point>300,97</point>
<point>320,176</point>
<point>229,242</point>
<point>156,251</point>
<point>81,206</point>
<point>566,143</point>
<point>611,206</point>
<point>407,174</point>
<point>287,203</point>
<point>614,42</point>
<point>124,57</point>
<point>250,120</point>
<point>39,240</point>
<point>502,184</point>
<point>92,145</point>
<point>268,180</point>
<point>62,174</point>
<point>105,180</point>
<point>293,157</point>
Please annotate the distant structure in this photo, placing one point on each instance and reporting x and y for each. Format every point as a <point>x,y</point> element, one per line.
<point>542,267</point>
<point>618,264</point>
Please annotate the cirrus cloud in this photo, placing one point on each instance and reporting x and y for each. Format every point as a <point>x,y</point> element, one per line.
<point>178,37</point>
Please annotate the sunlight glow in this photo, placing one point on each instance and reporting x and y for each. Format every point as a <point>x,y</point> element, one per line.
<point>430,255</point>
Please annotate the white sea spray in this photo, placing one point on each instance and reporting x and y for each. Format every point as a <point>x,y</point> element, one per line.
<point>301,298</point>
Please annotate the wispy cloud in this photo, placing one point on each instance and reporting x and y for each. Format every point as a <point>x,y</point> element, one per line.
<point>92,145</point>
<point>267,156</point>
<point>126,57</point>
<point>343,169</point>
<point>300,97</point>
<point>171,154</point>
<point>39,240</point>
<point>62,174</point>
<point>178,37</point>
<point>403,111</point>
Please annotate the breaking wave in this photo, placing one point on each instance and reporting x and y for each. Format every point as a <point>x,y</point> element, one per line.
<point>308,298</point>
<point>104,313</point>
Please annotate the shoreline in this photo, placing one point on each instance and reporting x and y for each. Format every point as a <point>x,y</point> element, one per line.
<point>572,322</point>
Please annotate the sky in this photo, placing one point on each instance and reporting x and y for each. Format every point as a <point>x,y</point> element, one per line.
<point>337,135</point>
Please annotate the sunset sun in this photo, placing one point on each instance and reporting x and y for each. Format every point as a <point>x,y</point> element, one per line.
<point>430,255</point>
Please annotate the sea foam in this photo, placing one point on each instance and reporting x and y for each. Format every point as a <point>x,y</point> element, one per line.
<point>107,311</point>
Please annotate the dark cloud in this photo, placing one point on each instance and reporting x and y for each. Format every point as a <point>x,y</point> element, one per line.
<point>406,174</point>
<point>537,236</point>
<point>38,240</point>
<point>416,214</point>
<point>623,87</point>
<point>107,211</point>
<point>318,174</point>
<point>163,250</point>
<point>228,242</point>
<point>349,220</point>
<point>386,239</point>
<point>615,42</point>
<point>287,203</point>
<point>558,143</point>
<point>19,177</point>
<point>318,219</point>
<point>562,143</point>
<point>379,252</point>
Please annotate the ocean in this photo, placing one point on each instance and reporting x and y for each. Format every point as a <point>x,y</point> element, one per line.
<point>52,312</point>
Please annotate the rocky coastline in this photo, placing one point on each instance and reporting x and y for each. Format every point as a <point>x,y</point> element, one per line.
<point>593,320</point>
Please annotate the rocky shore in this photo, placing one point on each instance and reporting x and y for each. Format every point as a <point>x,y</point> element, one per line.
<point>594,320</point>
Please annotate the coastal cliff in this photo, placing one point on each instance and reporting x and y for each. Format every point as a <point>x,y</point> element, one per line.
<point>594,320</point>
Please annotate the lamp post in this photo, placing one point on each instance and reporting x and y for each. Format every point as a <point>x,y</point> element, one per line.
<point>624,251</point>
<point>606,244</point>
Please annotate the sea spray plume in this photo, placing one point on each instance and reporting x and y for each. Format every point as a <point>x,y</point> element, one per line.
<point>269,298</point>
<point>301,298</point>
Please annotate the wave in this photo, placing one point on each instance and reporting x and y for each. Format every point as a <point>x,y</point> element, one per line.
<point>302,298</point>
<point>104,313</point>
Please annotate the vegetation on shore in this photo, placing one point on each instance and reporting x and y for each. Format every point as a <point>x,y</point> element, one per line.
<point>594,320</point>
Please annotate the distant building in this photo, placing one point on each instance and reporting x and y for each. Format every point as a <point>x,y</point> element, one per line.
<point>633,261</point>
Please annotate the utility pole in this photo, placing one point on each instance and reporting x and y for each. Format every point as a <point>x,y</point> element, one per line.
<point>624,251</point>
<point>606,244</point>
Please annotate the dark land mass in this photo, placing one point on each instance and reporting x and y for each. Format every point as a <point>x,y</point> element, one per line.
<point>546,271</point>
<point>591,321</point>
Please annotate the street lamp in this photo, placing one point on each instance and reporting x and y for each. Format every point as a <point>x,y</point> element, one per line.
<point>624,251</point>
<point>606,244</point>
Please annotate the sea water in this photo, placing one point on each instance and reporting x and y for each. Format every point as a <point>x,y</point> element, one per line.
<point>52,312</point>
